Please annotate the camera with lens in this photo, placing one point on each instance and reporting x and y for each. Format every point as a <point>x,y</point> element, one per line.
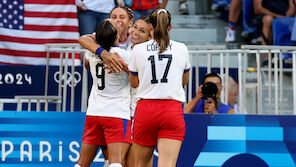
<point>209,90</point>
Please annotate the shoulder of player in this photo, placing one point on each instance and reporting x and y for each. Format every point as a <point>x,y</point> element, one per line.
<point>141,45</point>
<point>177,43</point>
<point>117,50</point>
<point>90,56</point>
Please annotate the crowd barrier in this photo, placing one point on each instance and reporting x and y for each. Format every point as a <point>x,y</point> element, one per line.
<point>261,89</point>
<point>224,59</point>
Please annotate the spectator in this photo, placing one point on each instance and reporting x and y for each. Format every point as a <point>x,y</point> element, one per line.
<point>233,94</point>
<point>183,7</point>
<point>199,105</point>
<point>266,11</point>
<point>234,13</point>
<point>92,12</point>
<point>145,7</point>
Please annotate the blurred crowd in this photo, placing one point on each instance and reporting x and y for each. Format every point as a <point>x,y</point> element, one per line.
<point>257,18</point>
<point>92,12</point>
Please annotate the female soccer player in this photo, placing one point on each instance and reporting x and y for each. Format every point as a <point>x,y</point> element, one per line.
<point>108,113</point>
<point>139,33</point>
<point>159,68</point>
<point>123,16</point>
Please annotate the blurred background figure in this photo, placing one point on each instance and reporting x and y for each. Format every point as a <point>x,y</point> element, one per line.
<point>183,7</point>
<point>233,94</point>
<point>266,11</point>
<point>145,7</point>
<point>208,99</point>
<point>92,12</point>
<point>233,17</point>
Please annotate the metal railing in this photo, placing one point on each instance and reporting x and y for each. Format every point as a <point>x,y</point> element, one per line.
<point>38,100</point>
<point>31,100</point>
<point>238,58</point>
<point>276,68</point>
<point>220,58</point>
<point>66,51</point>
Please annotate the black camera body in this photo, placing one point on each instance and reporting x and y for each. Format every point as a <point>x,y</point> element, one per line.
<point>209,90</point>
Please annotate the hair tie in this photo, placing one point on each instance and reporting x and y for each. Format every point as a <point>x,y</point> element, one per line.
<point>162,10</point>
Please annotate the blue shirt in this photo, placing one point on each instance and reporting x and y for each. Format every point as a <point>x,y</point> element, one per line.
<point>222,108</point>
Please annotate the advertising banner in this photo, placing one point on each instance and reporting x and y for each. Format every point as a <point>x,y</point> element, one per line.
<point>53,139</point>
<point>30,80</point>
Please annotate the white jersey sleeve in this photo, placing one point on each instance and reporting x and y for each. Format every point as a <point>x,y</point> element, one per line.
<point>160,76</point>
<point>110,93</point>
<point>132,67</point>
<point>88,54</point>
<point>186,55</point>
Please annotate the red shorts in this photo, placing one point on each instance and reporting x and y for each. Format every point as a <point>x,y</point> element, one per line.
<point>104,130</point>
<point>158,119</point>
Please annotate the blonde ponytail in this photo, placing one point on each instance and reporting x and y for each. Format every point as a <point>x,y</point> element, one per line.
<point>161,20</point>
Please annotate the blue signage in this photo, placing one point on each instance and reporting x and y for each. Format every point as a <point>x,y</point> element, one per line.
<point>52,139</point>
<point>42,139</point>
<point>239,140</point>
<point>30,80</point>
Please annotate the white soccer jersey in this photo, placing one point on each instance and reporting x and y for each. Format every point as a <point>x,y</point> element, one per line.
<point>110,93</point>
<point>160,76</point>
<point>133,101</point>
<point>126,45</point>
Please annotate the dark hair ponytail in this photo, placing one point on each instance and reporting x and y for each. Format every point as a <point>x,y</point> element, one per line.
<point>106,35</point>
<point>161,20</point>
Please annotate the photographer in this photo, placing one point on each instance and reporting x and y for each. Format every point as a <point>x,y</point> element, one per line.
<point>207,99</point>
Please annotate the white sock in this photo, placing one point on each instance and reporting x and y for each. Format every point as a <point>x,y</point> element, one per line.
<point>106,164</point>
<point>115,165</point>
<point>77,165</point>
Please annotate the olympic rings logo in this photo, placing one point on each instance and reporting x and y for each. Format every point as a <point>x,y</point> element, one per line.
<point>66,78</point>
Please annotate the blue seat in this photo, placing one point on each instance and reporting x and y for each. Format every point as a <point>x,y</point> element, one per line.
<point>282,30</point>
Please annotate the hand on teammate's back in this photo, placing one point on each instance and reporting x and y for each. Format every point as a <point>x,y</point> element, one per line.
<point>124,66</point>
<point>113,61</point>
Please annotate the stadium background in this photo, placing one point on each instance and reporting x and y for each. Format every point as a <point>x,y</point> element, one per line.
<point>54,138</point>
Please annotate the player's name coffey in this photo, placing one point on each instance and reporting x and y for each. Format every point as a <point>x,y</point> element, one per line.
<point>47,153</point>
<point>155,47</point>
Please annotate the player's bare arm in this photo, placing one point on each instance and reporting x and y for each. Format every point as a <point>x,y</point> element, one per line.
<point>185,78</point>
<point>134,80</point>
<point>112,60</point>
